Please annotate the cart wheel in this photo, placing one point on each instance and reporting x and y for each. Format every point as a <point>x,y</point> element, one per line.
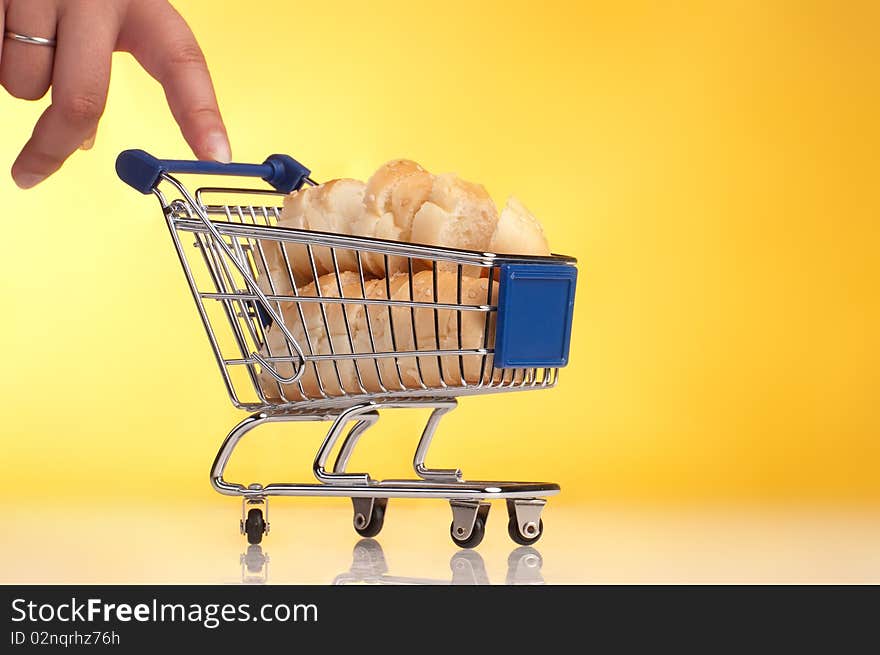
<point>377,520</point>
<point>513,531</point>
<point>254,526</point>
<point>475,537</point>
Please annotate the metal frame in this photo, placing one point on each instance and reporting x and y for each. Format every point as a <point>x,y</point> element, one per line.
<point>338,482</point>
<point>231,242</point>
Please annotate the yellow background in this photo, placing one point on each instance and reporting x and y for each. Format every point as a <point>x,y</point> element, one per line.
<point>713,166</point>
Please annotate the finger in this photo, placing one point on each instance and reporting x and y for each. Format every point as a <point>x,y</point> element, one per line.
<point>164,45</point>
<point>2,27</point>
<point>79,93</point>
<point>26,69</point>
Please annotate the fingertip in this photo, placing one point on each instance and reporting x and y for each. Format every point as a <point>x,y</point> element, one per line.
<point>25,180</point>
<point>216,147</point>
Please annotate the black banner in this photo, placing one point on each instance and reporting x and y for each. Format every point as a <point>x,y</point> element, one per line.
<point>129,619</point>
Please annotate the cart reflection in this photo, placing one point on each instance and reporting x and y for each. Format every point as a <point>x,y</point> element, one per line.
<point>254,565</point>
<point>369,566</point>
<point>467,568</point>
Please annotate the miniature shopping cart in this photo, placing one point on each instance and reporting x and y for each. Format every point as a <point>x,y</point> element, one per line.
<point>222,236</point>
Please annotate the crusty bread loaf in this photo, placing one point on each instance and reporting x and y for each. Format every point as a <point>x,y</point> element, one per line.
<point>274,271</point>
<point>336,207</point>
<point>325,333</point>
<point>414,329</point>
<point>359,328</point>
<point>457,214</point>
<point>339,205</point>
<point>400,187</point>
<point>394,194</point>
<point>518,232</point>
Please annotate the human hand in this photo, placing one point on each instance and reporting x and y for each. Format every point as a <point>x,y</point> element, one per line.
<point>78,70</point>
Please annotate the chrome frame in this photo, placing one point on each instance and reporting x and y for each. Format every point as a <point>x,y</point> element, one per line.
<point>230,240</point>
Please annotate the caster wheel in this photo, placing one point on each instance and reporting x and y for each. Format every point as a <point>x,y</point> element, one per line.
<point>254,526</point>
<point>377,520</point>
<point>475,537</point>
<point>513,531</point>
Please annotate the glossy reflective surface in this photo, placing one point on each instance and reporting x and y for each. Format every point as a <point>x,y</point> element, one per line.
<point>314,543</point>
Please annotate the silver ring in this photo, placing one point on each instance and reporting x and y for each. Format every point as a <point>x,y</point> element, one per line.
<point>33,40</point>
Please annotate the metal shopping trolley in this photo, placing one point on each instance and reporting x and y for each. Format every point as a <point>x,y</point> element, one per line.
<point>222,237</point>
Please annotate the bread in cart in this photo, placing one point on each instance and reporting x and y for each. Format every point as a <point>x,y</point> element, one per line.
<point>400,202</point>
<point>340,329</point>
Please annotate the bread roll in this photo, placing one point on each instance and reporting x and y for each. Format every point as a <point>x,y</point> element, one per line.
<point>325,333</point>
<point>394,193</point>
<point>335,207</point>
<point>374,262</point>
<point>400,187</point>
<point>457,214</point>
<point>338,206</point>
<point>273,271</point>
<point>518,232</point>
<point>414,329</point>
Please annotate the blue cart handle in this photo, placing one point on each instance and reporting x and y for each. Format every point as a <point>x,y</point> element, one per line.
<point>141,171</point>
